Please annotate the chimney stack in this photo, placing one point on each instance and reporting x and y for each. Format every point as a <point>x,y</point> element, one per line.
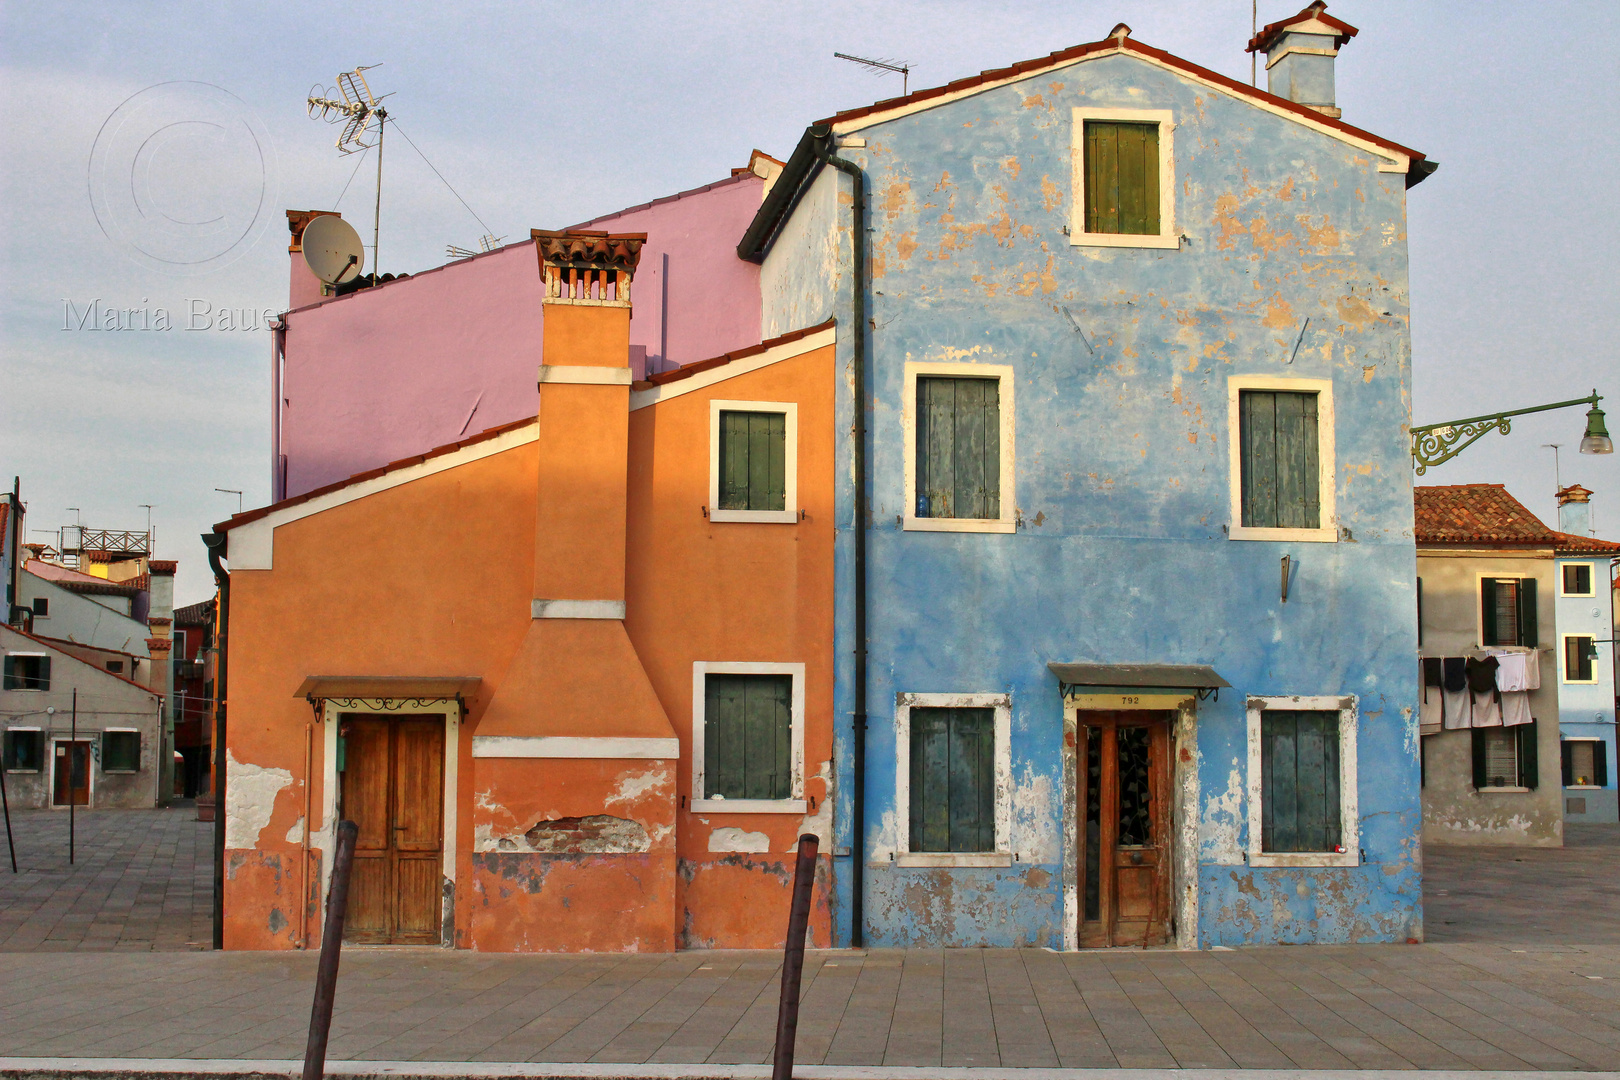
<point>303,287</point>
<point>1299,57</point>
<point>1575,510</point>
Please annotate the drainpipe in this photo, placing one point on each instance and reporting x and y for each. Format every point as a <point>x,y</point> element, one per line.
<point>215,542</point>
<point>858,323</point>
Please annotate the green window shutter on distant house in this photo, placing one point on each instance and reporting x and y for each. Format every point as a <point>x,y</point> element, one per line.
<point>1299,798</point>
<point>753,461</point>
<point>953,779</point>
<point>1281,466</point>
<point>748,736</point>
<point>1508,612</point>
<point>1122,177</point>
<point>958,448</point>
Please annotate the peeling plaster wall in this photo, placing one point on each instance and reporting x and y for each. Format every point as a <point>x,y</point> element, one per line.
<point>1453,811</point>
<point>1122,475</point>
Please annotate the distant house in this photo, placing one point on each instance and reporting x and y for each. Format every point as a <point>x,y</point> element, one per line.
<point>75,732</point>
<point>1491,608</point>
<point>1585,645</point>
<point>194,664</point>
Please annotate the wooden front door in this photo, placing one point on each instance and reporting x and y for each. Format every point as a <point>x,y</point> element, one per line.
<point>1124,803</point>
<point>393,789</point>
<point>72,774</point>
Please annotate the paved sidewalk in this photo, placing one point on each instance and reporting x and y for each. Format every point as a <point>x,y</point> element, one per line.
<point>140,880</point>
<point>1326,1007</point>
<point>1542,896</point>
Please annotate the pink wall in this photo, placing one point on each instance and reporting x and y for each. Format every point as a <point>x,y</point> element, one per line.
<point>389,372</point>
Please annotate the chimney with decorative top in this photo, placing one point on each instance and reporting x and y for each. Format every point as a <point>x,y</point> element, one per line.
<point>1299,56</point>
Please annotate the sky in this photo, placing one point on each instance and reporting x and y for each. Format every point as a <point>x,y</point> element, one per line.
<point>147,154</point>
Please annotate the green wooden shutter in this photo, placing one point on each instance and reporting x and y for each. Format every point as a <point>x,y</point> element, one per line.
<point>1299,760</point>
<point>1529,765</point>
<point>748,736</point>
<point>1420,613</point>
<point>1566,761</point>
<point>958,448</point>
<point>44,682</point>
<point>753,460</point>
<point>1600,764</point>
<point>952,779</point>
<point>1527,613</point>
<point>1487,613</point>
<point>1122,177</point>
<point>1481,779</point>
<point>10,674</point>
<point>1281,463</point>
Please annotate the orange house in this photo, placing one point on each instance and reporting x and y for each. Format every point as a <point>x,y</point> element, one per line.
<point>572,676</point>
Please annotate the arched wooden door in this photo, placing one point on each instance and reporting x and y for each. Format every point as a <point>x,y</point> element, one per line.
<point>1125,829</point>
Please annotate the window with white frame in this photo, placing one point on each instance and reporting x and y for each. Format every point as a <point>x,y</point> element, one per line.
<point>1302,781</point>
<point>954,779</point>
<point>1506,759</point>
<point>1576,579</point>
<point>1280,432</point>
<point>26,671</point>
<point>957,426</point>
<point>120,750</point>
<point>1579,652</point>
<point>1124,180</point>
<point>1585,763</point>
<point>753,461</point>
<point>748,738</point>
<point>1507,611</point>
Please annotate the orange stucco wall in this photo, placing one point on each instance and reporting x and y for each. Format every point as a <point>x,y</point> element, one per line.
<point>435,578</point>
<point>719,592</point>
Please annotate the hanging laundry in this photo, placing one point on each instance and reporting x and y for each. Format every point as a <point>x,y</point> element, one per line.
<point>1455,678</point>
<point>1455,708</point>
<point>1433,673</point>
<point>1430,708</point>
<point>1516,708</point>
<point>1517,670</point>
<point>1487,709</point>
<point>1482,674</point>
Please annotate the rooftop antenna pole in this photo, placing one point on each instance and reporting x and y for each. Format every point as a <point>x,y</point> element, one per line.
<point>1558,477</point>
<point>353,103</point>
<point>148,507</point>
<point>232,491</point>
<point>376,214</point>
<point>883,67</point>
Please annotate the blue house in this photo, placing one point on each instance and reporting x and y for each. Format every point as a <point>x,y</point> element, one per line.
<point>1125,558</point>
<point>1586,667</point>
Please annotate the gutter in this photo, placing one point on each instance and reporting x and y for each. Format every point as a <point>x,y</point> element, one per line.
<point>815,150</point>
<point>216,544</point>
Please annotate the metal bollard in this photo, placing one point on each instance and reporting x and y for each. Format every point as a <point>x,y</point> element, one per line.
<point>320,1014</point>
<point>787,1013</point>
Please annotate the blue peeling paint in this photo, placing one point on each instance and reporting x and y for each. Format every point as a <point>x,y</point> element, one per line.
<point>1121,554</point>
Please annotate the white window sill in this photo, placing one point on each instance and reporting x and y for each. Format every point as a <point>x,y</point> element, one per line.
<point>24,772</point>
<point>1328,535</point>
<point>952,858</point>
<point>1125,240</point>
<point>778,517</point>
<point>1503,790</point>
<point>1304,858</point>
<point>1569,787</point>
<point>1580,682</point>
<point>750,806</point>
<point>960,525</point>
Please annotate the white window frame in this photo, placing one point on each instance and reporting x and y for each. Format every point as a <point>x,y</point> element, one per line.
<point>1168,235</point>
<point>1518,765</point>
<point>1479,608</point>
<point>1003,374</point>
<point>1599,748</point>
<point>1002,704</point>
<point>789,513</point>
<point>1563,660</point>
<point>1348,709</point>
<point>26,689</point>
<point>1328,532</point>
<point>1591,579</point>
<point>43,747</point>
<point>120,731</point>
<point>796,802</point>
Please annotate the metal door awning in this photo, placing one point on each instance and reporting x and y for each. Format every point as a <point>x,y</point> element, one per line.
<point>1200,678</point>
<point>389,688</point>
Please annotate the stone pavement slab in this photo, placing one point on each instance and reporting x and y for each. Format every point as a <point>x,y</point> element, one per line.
<point>1462,1007</point>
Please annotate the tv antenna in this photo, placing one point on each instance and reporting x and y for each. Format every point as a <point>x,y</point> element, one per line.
<point>352,104</point>
<point>882,67</point>
<point>486,243</point>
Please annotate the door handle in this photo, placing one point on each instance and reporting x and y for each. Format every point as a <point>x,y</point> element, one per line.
<point>1136,858</point>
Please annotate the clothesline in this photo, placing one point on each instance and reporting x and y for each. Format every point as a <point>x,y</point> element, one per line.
<point>1488,689</point>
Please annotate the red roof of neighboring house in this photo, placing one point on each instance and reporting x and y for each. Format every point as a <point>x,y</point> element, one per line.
<point>686,371</point>
<point>1485,514</point>
<point>199,614</point>
<point>48,643</point>
<point>162,566</point>
<point>1268,35</point>
<point>439,451</point>
<point>1129,45</point>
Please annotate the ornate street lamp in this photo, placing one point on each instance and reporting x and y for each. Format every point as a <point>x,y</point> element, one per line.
<point>1434,444</point>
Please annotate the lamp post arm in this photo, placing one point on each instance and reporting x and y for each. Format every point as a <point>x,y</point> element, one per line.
<point>1435,444</point>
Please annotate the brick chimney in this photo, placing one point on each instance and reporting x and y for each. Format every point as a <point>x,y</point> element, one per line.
<point>1575,510</point>
<point>303,287</point>
<point>577,673</point>
<point>1299,56</point>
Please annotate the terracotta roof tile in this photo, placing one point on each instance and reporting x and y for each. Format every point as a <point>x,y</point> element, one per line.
<point>1269,33</point>
<point>1485,514</point>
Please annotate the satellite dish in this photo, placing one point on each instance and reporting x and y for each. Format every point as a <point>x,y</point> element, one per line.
<point>332,249</point>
